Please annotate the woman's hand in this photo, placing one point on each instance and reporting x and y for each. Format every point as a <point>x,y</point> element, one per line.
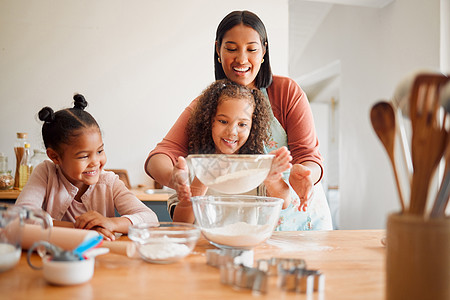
<point>302,183</point>
<point>180,180</point>
<point>280,163</point>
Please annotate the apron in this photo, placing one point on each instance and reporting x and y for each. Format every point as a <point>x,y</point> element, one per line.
<point>317,216</point>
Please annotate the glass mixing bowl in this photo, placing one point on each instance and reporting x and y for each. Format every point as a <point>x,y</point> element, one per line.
<point>230,173</point>
<point>236,221</point>
<point>164,242</point>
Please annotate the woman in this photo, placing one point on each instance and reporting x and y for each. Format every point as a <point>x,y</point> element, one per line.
<point>242,55</point>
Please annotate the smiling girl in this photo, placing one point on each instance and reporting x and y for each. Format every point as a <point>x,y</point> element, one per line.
<point>228,119</point>
<point>73,186</point>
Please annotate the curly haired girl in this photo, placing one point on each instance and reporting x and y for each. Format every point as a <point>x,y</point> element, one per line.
<point>228,119</point>
<point>249,112</point>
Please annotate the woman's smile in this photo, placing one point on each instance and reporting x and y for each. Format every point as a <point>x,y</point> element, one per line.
<point>241,54</point>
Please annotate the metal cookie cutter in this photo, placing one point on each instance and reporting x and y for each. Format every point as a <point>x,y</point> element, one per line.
<point>236,269</point>
<point>288,273</point>
<point>293,274</point>
<point>309,281</point>
<point>243,277</point>
<point>221,257</point>
<point>272,265</point>
<point>301,280</point>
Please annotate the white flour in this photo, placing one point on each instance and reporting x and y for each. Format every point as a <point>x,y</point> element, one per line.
<point>164,249</point>
<point>239,182</point>
<point>239,234</point>
<point>9,256</point>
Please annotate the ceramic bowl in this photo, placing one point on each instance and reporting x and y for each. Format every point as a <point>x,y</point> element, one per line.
<point>238,221</point>
<point>68,272</point>
<point>230,174</point>
<point>164,242</point>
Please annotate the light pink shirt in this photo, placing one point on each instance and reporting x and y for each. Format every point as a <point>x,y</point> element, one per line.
<point>47,188</point>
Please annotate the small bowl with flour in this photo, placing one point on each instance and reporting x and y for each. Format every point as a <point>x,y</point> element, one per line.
<point>164,242</point>
<point>236,221</point>
<point>230,173</point>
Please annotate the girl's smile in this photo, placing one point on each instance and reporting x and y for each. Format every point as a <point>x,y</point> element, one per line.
<point>82,161</point>
<point>231,124</point>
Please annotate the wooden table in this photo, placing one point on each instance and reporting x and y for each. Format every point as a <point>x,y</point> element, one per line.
<point>9,194</point>
<point>352,261</point>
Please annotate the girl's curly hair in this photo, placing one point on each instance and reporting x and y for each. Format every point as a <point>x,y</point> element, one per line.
<point>199,128</point>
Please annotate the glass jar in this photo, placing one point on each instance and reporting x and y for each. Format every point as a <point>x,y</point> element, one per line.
<point>19,149</point>
<point>6,180</point>
<point>25,167</point>
<point>3,162</point>
<point>39,156</point>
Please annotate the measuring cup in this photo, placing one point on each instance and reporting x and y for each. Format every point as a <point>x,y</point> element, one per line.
<point>12,220</point>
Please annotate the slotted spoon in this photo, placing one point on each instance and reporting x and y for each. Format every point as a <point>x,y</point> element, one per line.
<point>429,136</point>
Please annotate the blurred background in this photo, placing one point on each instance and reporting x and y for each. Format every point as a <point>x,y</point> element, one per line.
<point>140,63</point>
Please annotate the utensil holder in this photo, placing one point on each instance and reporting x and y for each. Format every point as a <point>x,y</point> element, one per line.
<point>418,258</point>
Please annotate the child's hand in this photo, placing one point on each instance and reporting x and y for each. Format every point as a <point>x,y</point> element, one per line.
<point>94,220</point>
<point>107,235</point>
<point>280,163</point>
<point>301,181</point>
<point>180,179</point>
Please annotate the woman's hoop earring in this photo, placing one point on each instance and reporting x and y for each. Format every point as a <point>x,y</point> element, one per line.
<point>218,59</point>
<point>262,60</point>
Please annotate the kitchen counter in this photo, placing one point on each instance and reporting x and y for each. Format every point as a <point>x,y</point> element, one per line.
<point>352,262</point>
<point>156,201</point>
<point>139,192</point>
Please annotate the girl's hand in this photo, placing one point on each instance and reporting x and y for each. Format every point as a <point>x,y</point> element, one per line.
<point>95,221</point>
<point>180,180</point>
<point>107,235</point>
<point>301,181</point>
<point>280,163</point>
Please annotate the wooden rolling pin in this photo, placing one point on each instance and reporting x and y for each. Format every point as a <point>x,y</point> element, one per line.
<point>69,238</point>
<point>121,247</point>
<point>64,237</point>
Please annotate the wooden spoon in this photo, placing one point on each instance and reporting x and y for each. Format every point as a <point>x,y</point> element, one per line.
<point>382,116</point>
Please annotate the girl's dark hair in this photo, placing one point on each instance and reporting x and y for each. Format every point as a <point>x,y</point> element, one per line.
<point>59,127</point>
<point>199,128</point>
<point>264,77</point>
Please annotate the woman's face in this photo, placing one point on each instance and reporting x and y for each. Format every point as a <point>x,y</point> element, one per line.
<point>241,54</point>
<point>231,124</point>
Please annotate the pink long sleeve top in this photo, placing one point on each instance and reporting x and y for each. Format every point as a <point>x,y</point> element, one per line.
<point>49,189</point>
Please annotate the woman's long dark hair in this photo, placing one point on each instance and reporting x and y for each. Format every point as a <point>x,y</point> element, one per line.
<point>264,77</point>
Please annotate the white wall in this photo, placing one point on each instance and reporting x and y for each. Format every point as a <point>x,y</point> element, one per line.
<point>138,63</point>
<point>376,48</point>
